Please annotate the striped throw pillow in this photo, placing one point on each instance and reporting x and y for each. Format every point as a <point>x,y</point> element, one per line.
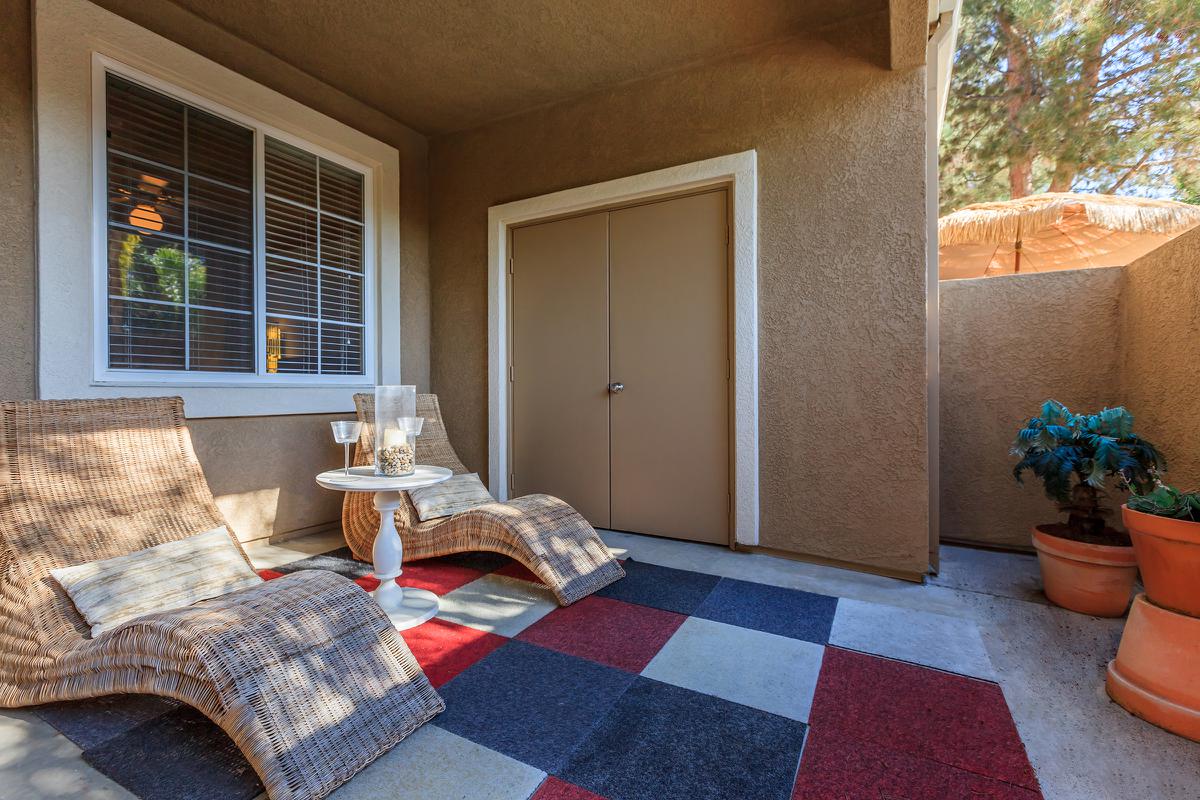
<point>169,575</point>
<point>455,494</point>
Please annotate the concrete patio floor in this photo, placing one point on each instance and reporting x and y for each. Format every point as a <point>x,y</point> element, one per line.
<point>1049,662</point>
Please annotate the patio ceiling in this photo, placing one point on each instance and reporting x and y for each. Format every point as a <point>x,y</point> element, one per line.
<point>441,67</point>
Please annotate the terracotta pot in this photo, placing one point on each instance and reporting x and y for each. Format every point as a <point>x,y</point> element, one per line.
<point>1168,553</point>
<point>1092,579</point>
<point>1156,674</point>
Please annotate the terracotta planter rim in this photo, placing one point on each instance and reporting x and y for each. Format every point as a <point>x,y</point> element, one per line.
<point>1103,554</point>
<point>1168,528</point>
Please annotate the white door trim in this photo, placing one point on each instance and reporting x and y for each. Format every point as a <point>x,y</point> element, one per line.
<point>739,172</point>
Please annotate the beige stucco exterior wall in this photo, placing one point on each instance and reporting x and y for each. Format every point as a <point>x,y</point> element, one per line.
<point>840,145</point>
<point>261,471</point>
<point>259,468</point>
<point>1160,333</point>
<point>1007,344</point>
<point>17,268</point>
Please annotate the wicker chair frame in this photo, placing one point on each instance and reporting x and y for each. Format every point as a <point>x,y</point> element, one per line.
<point>305,673</point>
<point>542,532</point>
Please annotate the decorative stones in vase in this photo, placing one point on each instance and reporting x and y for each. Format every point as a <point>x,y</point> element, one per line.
<point>396,429</point>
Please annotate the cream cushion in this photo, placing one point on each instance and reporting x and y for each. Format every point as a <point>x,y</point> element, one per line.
<point>456,493</point>
<point>170,575</point>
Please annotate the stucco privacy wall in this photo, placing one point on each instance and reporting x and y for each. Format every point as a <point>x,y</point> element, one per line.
<point>840,145</point>
<point>260,468</point>
<point>17,269</point>
<point>1007,344</point>
<point>1160,336</point>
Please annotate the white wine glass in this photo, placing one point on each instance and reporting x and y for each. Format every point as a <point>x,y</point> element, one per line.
<point>346,433</point>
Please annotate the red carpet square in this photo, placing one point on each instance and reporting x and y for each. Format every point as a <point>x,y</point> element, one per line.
<point>437,576</point>
<point>368,582</point>
<point>444,649</point>
<point>554,789</point>
<point>834,768</point>
<point>606,631</point>
<point>519,571</point>
<point>962,722</point>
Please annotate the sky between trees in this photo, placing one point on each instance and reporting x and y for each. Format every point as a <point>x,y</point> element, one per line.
<point>1073,95</point>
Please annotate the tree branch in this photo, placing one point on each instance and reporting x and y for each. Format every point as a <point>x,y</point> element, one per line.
<point>1129,73</point>
<point>1129,173</point>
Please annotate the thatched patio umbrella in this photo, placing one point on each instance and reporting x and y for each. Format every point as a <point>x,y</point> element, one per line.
<point>1058,230</point>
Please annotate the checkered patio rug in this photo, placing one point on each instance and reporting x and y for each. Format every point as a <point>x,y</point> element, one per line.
<point>666,685</point>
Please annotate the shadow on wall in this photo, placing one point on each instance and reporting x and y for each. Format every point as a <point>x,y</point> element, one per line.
<point>1088,338</point>
<point>261,471</point>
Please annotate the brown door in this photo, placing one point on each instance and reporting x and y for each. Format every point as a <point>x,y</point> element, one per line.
<point>620,354</point>
<point>669,348</point>
<point>559,433</point>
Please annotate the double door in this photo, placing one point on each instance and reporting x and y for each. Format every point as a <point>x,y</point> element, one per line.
<point>620,365</point>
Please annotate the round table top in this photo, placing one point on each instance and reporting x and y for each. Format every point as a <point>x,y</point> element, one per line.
<point>364,479</point>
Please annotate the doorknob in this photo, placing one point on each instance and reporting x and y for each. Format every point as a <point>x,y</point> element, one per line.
<point>616,388</point>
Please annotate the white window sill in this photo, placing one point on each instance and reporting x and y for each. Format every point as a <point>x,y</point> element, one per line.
<point>210,400</point>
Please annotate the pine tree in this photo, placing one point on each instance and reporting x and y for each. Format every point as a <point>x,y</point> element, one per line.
<point>1074,95</point>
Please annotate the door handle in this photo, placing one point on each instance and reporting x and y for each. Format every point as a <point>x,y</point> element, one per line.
<point>616,388</point>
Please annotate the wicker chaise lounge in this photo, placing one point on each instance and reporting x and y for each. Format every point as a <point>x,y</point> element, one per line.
<point>305,673</point>
<point>545,534</point>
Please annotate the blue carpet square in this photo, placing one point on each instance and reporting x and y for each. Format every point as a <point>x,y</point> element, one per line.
<point>340,561</point>
<point>181,755</point>
<point>771,609</point>
<point>662,742</point>
<point>677,590</point>
<point>529,703</point>
<point>89,723</point>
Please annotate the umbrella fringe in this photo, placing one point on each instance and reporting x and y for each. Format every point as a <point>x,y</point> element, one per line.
<point>1004,222</point>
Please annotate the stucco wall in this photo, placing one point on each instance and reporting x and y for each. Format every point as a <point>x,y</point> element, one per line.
<point>1160,329</point>
<point>17,270</point>
<point>261,471</point>
<point>260,468</point>
<point>840,145</point>
<point>1007,344</point>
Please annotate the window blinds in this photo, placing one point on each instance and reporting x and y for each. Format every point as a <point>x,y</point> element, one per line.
<point>314,274</point>
<point>180,235</point>
<point>182,246</point>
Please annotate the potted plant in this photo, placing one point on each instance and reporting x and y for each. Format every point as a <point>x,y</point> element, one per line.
<point>1086,565</point>
<point>1164,524</point>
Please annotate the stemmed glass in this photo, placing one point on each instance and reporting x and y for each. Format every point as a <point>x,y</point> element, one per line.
<point>346,433</point>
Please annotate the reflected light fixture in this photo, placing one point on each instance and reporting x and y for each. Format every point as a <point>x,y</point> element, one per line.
<point>274,347</point>
<point>152,184</point>
<point>146,217</point>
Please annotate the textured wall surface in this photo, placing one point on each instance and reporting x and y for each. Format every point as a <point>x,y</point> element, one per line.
<point>1160,327</point>
<point>17,269</point>
<point>261,471</point>
<point>840,145</point>
<point>1009,343</point>
<point>444,67</point>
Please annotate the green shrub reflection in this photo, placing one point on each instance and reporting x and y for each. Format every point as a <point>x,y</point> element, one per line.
<point>159,272</point>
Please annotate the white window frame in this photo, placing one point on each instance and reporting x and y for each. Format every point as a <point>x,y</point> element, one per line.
<point>103,374</point>
<point>69,36</point>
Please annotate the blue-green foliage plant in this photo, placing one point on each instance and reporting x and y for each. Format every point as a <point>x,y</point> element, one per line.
<point>1075,455</point>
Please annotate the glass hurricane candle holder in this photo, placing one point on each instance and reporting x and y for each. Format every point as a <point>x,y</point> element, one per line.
<point>395,430</point>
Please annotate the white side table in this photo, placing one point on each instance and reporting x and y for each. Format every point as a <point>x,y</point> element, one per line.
<point>409,607</point>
